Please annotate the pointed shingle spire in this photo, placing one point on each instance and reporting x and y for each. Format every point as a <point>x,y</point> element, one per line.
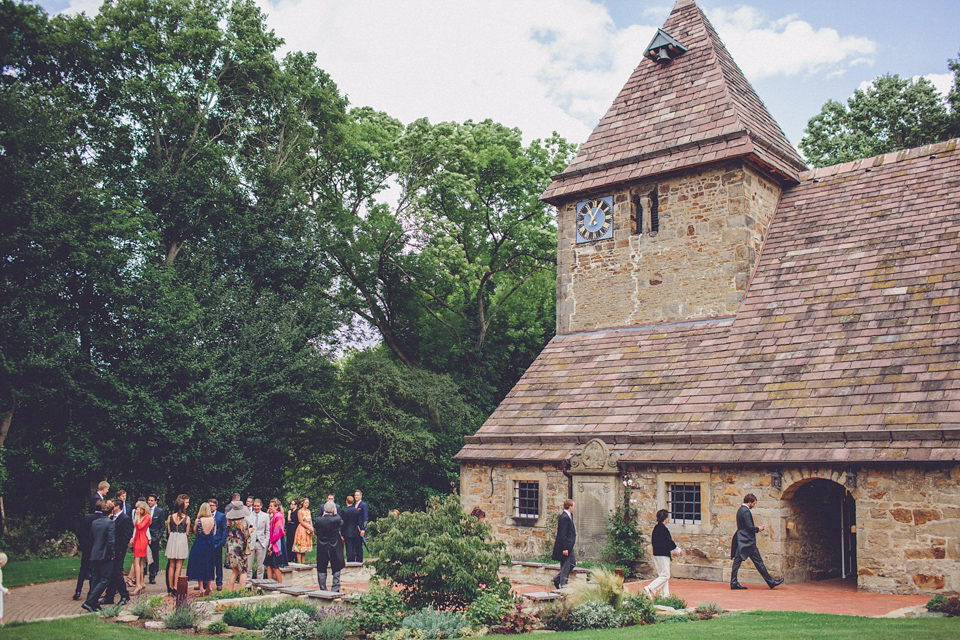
<point>689,111</point>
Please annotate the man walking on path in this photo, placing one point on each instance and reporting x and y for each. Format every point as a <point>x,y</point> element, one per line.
<point>102,545</point>
<point>83,542</point>
<point>123,531</point>
<point>563,547</point>
<point>744,545</point>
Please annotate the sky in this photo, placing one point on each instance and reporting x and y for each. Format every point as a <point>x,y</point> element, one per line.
<point>557,65</point>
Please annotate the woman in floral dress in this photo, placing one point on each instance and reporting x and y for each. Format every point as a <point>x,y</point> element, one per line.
<point>238,543</point>
<point>303,539</point>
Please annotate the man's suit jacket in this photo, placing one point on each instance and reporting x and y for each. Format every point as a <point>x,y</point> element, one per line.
<point>93,502</point>
<point>220,520</point>
<point>329,543</point>
<point>260,535</point>
<point>158,523</point>
<point>123,531</point>
<point>102,539</point>
<point>745,539</point>
<point>127,509</point>
<point>83,534</point>
<point>364,514</point>
<point>566,537</point>
<point>351,522</point>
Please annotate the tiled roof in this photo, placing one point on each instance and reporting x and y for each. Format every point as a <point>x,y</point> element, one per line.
<point>845,349</point>
<point>695,110</point>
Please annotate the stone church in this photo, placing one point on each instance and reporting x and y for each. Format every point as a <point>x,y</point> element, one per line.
<point>729,322</point>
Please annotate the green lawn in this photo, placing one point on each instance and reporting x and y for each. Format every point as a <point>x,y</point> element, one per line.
<point>20,572</point>
<point>750,626</point>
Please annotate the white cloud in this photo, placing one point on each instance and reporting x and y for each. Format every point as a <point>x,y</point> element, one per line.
<point>787,46</point>
<point>943,82</point>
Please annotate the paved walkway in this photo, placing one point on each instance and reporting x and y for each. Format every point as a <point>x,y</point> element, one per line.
<point>55,599</point>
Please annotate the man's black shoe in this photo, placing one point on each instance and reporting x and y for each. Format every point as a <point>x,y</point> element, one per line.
<point>776,583</point>
<point>104,603</point>
<point>89,608</point>
<point>737,587</point>
<point>124,601</point>
<point>76,596</point>
<point>153,581</point>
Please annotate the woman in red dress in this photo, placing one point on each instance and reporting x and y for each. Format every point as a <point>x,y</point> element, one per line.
<point>140,524</point>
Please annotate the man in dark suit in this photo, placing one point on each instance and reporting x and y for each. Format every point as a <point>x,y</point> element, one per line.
<point>364,517</point>
<point>83,540</point>
<point>351,531</point>
<point>102,546</point>
<point>744,545</point>
<point>157,521</point>
<point>123,532</point>
<point>563,547</point>
<point>125,507</point>
<point>220,520</point>
<point>102,489</point>
<point>329,546</point>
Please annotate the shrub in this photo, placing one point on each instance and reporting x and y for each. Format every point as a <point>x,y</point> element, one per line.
<point>707,610</point>
<point>672,601</point>
<point>638,609</point>
<point>594,615</point>
<point>936,602</point>
<point>440,556</point>
<point>604,586</point>
<point>436,624</point>
<point>218,627</point>
<point>257,616</point>
<point>185,616</point>
<point>625,540</point>
<point>557,615</point>
<point>229,595</point>
<point>149,607</point>
<point>379,609</point>
<point>331,629</point>
<point>674,619</point>
<point>516,621</point>
<point>951,607</point>
<point>293,625</point>
<point>488,609</point>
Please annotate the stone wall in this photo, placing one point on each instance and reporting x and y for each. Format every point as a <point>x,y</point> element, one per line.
<point>711,228</point>
<point>907,520</point>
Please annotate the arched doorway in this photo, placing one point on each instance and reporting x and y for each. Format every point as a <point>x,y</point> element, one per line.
<point>821,538</point>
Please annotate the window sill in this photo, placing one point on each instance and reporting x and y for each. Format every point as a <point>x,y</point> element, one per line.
<point>525,522</point>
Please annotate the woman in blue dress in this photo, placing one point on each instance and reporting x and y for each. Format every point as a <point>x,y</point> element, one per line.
<point>202,563</point>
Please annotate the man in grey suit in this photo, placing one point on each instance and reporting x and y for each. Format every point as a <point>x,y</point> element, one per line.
<point>102,547</point>
<point>259,538</point>
<point>744,545</point>
<point>563,547</point>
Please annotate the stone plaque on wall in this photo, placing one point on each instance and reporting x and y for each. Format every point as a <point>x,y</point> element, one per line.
<point>595,478</point>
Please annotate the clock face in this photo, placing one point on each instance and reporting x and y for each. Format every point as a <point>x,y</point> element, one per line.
<point>595,219</point>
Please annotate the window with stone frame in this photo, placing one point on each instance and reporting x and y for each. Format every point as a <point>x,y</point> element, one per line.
<point>684,502</point>
<point>526,500</point>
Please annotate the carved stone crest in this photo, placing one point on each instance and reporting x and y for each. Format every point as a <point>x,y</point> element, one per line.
<point>594,458</point>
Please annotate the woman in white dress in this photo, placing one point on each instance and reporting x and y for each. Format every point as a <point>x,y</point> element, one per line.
<point>178,524</point>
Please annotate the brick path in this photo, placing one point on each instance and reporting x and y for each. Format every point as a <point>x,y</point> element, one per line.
<point>54,599</point>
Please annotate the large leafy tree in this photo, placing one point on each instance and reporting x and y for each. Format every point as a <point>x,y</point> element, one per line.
<point>893,113</point>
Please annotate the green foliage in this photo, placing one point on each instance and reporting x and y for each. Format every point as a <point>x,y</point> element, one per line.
<point>257,616</point>
<point>292,625</point>
<point>436,624</point>
<point>604,586</point>
<point>557,615</point>
<point>217,627</point>
<point>594,615</point>
<point>891,114</point>
<point>489,609</point>
<point>707,610</point>
<point>942,604</point>
<point>638,609</point>
<point>673,601</point>
<point>625,541</point>
<point>331,629</point>
<point>149,607</point>
<point>936,602</point>
<point>379,608</point>
<point>185,616</point>
<point>516,621</point>
<point>440,557</point>
<point>228,595</point>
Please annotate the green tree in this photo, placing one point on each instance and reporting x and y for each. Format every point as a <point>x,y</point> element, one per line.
<point>891,114</point>
<point>440,557</point>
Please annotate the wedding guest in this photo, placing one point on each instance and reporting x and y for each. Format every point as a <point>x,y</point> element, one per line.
<point>663,546</point>
<point>83,543</point>
<point>291,523</point>
<point>303,540</point>
<point>329,546</point>
<point>200,563</point>
<point>3,590</point>
<point>122,534</point>
<point>157,519</point>
<point>178,524</point>
<point>141,523</point>
<point>218,541</point>
<point>238,543</point>
<point>350,531</point>
<point>259,524</point>
<point>276,532</point>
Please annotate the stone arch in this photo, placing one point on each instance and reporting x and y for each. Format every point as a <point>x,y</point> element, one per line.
<point>820,525</point>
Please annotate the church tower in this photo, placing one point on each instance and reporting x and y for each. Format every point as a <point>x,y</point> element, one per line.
<point>664,211</point>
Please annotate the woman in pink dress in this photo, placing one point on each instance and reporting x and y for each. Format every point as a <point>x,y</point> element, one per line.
<point>141,523</point>
<point>272,563</point>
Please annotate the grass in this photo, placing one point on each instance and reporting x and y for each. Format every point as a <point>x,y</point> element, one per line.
<point>755,626</point>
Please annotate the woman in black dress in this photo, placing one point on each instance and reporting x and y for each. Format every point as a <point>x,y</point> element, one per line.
<point>291,523</point>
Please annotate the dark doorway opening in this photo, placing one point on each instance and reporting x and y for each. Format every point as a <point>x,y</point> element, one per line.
<point>821,530</point>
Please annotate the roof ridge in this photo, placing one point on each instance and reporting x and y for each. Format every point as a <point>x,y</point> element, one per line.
<point>936,149</point>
